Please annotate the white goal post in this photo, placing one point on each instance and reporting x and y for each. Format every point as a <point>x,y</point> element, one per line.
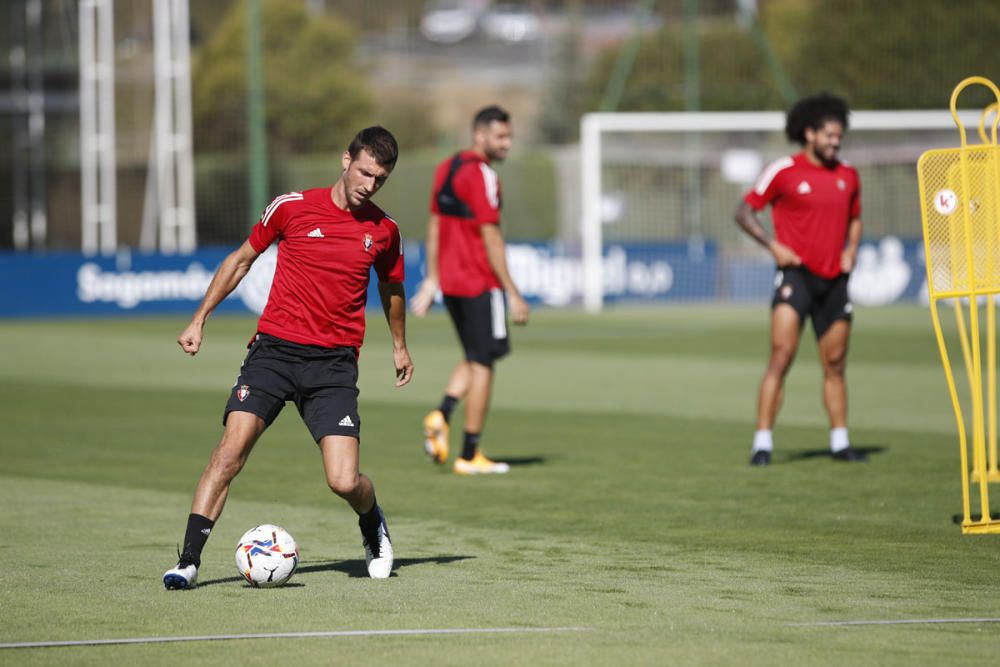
<point>698,151</point>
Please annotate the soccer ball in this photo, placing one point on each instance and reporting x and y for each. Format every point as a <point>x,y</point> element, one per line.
<point>266,556</point>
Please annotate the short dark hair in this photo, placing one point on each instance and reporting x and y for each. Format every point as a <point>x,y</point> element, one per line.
<point>379,142</point>
<point>813,112</point>
<point>490,114</point>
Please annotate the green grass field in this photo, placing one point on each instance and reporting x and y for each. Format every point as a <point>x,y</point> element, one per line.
<point>630,516</point>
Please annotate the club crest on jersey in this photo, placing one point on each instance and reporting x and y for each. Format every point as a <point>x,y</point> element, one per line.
<point>243,392</point>
<point>368,241</point>
<point>841,185</point>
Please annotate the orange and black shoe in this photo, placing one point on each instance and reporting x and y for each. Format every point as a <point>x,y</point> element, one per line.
<point>480,465</point>
<point>436,437</point>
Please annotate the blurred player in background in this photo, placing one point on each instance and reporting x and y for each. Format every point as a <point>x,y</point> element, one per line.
<point>815,209</point>
<point>466,260</point>
<point>308,339</point>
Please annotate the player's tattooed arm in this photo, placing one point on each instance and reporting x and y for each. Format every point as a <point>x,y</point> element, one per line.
<point>747,219</point>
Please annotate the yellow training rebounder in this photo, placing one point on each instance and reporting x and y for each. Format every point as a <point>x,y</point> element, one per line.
<point>960,207</point>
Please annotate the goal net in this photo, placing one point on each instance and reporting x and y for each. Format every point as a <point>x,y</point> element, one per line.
<point>669,183</point>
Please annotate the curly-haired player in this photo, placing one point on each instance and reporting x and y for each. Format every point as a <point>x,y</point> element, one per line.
<point>815,208</point>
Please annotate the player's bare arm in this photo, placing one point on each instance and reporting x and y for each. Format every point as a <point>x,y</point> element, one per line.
<point>747,219</point>
<point>394,305</point>
<point>496,252</point>
<point>422,300</point>
<point>850,252</point>
<point>229,274</point>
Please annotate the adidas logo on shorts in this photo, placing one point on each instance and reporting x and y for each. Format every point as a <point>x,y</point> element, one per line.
<point>346,421</point>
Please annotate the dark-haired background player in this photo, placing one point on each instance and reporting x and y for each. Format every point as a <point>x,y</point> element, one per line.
<point>815,209</point>
<point>308,339</point>
<point>466,259</point>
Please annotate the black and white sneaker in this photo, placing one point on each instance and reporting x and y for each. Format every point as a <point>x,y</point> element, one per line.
<point>761,457</point>
<point>850,455</point>
<point>378,550</point>
<point>181,576</point>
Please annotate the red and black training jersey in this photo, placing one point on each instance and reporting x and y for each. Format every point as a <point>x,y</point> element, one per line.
<point>811,207</point>
<point>325,256</point>
<point>463,265</point>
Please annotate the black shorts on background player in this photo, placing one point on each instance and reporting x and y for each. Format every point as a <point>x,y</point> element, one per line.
<point>325,390</point>
<point>481,323</point>
<point>822,300</point>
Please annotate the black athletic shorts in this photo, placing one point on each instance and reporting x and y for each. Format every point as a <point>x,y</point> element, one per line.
<point>322,381</point>
<point>822,300</point>
<point>481,324</point>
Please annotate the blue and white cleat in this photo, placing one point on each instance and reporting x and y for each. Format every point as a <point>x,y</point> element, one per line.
<point>379,558</point>
<point>181,576</point>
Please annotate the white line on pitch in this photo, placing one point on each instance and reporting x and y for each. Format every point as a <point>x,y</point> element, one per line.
<point>285,635</point>
<point>907,621</point>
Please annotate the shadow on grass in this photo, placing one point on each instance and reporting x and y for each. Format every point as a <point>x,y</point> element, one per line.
<point>358,569</point>
<point>809,454</point>
<point>975,516</point>
<point>523,460</point>
<point>352,568</point>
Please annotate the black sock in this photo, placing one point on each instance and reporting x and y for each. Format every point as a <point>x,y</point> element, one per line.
<point>198,529</point>
<point>448,404</point>
<point>369,521</point>
<point>469,445</point>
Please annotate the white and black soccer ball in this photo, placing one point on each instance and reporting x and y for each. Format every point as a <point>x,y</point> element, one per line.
<point>266,556</point>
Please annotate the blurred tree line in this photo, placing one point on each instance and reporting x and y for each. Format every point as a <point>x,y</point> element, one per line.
<point>321,85</point>
<point>889,54</point>
<point>315,96</point>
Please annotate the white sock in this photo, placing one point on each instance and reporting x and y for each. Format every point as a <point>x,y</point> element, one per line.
<point>762,441</point>
<point>838,439</point>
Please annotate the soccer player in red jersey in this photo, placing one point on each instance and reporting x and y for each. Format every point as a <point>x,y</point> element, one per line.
<point>466,260</point>
<point>308,339</point>
<point>815,208</point>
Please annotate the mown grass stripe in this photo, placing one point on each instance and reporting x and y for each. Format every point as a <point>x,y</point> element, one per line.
<point>284,635</point>
<point>901,621</point>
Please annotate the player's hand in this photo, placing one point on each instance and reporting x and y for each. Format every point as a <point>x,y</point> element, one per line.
<point>784,256</point>
<point>424,298</point>
<point>519,309</point>
<point>847,259</point>
<point>190,338</point>
<point>404,366</point>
